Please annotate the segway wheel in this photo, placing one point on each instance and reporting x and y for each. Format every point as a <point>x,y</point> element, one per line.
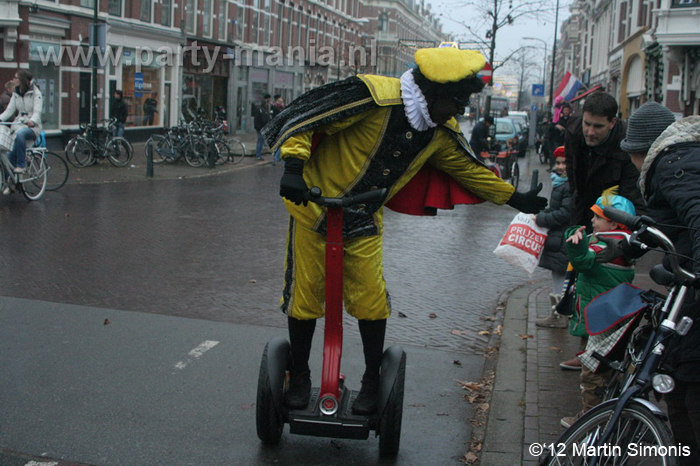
<point>390,420</point>
<point>268,416</point>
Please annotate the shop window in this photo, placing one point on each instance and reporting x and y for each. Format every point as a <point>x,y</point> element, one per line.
<point>140,89</point>
<point>115,7</point>
<point>47,78</point>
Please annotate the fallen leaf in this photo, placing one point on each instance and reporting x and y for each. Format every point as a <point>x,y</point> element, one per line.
<point>457,362</point>
<point>483,406</point>
<point>490,319</point>
<point>470,458</point>
<point>471,386</point>
<point>484,332</point>
<point>525,337</point>
<point>459,332</point>
<point>253,281</point>
<point>107,322</point>
<point>554,348</point>
<point>432,315</point>
<point>478,446</point>
<point>401,314</point>
<point>499,330</point>
<point>418,405</point>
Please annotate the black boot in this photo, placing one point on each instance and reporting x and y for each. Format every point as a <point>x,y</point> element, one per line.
<point>301,334</point>
<point>372,333</point>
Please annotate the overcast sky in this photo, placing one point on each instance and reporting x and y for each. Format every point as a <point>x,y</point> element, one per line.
<point>508,38</point>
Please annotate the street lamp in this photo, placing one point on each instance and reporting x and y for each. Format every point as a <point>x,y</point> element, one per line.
<point>544,66</point>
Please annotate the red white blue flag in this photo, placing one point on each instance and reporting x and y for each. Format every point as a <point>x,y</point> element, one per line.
<point>568,87</point>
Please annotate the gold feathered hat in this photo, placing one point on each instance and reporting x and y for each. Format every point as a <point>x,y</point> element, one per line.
<point>448,64</point>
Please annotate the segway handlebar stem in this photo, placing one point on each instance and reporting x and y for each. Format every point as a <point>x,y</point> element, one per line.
<point>315,196</point>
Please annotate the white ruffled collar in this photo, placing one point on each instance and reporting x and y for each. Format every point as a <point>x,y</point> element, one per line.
<point>414,104</point>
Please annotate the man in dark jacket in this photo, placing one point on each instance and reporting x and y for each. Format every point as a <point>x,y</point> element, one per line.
<point>263,114</point>
<point>595,161</point>
<point>119,111</point>
<point>150,108</point>
<point>670,184</point>
<point>480,134</point>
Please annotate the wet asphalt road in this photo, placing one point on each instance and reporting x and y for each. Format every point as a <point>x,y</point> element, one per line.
<point>210,250</point>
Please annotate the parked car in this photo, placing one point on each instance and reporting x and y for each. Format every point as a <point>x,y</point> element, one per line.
<point>522,117</point>
<point>507,129</point>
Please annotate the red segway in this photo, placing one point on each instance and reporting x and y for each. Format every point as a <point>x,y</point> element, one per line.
<point>329,413</point>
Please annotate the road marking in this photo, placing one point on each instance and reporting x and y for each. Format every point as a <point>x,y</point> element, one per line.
<point>41,463</point>
<point>196,353</point>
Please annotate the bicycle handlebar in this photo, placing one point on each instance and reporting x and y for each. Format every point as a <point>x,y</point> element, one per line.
<point>644,225</point>
<point>314,196</point>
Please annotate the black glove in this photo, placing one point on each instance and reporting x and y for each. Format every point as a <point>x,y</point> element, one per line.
<point>617,247</point>
<point>292,184</point>
<point>529,202</point>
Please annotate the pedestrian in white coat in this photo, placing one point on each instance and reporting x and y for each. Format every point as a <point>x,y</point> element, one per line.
<point>27,102</point>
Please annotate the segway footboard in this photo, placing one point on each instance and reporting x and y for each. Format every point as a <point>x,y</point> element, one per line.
<point>342,424</point>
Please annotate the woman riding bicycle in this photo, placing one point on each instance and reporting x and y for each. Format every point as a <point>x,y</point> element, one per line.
<point>26,102</point>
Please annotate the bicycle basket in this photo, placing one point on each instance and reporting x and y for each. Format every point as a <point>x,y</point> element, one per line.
<point>7,138</point>
<point>610,319</point>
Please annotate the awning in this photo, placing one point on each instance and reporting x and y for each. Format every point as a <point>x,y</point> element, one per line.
<point>589,91</point>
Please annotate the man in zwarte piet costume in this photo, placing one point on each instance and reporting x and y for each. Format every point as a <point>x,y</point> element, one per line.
<point>360,134</point>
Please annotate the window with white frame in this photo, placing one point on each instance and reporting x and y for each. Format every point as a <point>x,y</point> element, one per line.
<point>145,14</point>
<point>223,19</point>
<point>166,13</point>
<point>254,27</point>
<point>191,16</point>
<point>240,22</point>
<point>115,7</point>
<point>87,3</point>
<point>206,16</point>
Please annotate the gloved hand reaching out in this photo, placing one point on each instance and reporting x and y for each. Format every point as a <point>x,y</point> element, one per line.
<point>529,202</point>
<point>292,184</point>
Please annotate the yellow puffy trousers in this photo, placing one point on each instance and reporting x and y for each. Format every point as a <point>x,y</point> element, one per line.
<point>364,289</point>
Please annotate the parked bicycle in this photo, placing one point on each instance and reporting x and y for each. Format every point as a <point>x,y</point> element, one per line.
<point>629,429</point>
<point>97,141</point>
<point>178,141</point>
<point>31,183</point>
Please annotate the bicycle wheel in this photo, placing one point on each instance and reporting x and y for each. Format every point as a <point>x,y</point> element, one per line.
<point>514,175</point>
<point>119,152</point>
<point>80,152</point>
<point>237,150</point>
<point>56,171</point>
<point>639,437</point>
<point>196,154</point>
<point>223,152</point>
<point>161,147</point>
<point>33,182</point>
<point>542,153</point>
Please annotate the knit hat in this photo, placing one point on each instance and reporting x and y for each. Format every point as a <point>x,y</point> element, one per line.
<point>645,125</point>
<point>448,65</point>
<point>560,152</point>
<point>610,198</point>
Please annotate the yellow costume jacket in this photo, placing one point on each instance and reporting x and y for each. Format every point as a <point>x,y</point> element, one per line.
<point>354,137</point>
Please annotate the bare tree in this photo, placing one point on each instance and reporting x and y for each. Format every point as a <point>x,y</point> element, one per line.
<point>489,16</point>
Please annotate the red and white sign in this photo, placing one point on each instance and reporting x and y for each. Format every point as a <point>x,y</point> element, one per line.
<point>486,75</point>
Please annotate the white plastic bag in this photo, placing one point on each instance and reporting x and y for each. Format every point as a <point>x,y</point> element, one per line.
<point>7,137</point>
<point>523,243</point>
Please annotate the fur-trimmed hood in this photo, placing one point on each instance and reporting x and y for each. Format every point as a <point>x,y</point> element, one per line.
<point>684,130</point>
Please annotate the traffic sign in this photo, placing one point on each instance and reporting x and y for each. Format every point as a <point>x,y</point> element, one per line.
<point>538,90</point>
<point>486,75</point>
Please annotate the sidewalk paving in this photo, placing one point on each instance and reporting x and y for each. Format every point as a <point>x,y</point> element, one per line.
<point>531,393</point>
